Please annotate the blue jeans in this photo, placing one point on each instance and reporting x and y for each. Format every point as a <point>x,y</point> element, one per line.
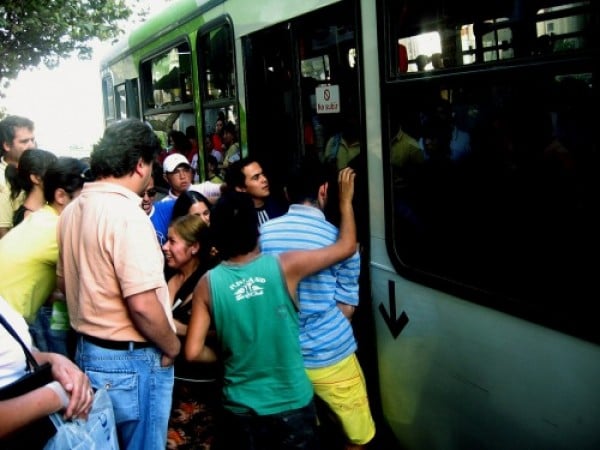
<point>45,338</point>
<point>140,389</point>
<point>289,430</point>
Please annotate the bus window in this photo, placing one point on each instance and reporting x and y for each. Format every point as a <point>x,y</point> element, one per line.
<point>121,101</point>
<point>217,83</point>
<point>166,82</point>
<point>132,98</point>
<point>422,44</point>
<point>492,172</point>
<point>167,78</point>
<point>483,33</point>
<point>108,100</point>
<point>217,61</point>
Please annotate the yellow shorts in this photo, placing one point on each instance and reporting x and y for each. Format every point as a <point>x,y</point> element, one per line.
<point>342,386</point>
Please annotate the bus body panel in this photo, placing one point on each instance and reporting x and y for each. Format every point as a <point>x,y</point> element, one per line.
<point>521,385</point>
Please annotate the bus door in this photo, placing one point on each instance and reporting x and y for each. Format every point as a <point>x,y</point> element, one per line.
<point>303,91</point>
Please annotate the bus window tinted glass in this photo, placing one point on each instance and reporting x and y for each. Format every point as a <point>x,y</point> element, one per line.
<point>168,78</point>
<point>217,64</point>
<point>493,170</point>
<point>108,99</point>
<point>482,33</point>
<point>121,101</point>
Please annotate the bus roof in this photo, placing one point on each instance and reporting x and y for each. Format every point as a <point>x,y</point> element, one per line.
<point>172,16</point>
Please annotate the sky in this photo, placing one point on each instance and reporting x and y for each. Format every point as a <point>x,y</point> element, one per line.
<point>65,103</point>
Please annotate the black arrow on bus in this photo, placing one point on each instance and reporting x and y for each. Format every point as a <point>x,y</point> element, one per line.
<point>395,324</point>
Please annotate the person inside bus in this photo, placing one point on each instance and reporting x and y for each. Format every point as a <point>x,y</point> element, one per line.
<point>327,302</point>
<point>212,167</point>
<point>232,152</point>
<point>405,157</point>
<point>250,299</point>
<point>344,146</point>
<point>246,175</point>
<point>192,155</point>
<point>217,136</point>
<point>421,61</point>
<point>178,173</point>
<point>437,61</point>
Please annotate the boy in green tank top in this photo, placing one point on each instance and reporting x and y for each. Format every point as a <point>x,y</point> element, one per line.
<point>250,299</point>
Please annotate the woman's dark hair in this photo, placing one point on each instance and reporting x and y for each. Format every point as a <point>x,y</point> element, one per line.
<point>32,162</point>
<point>65,173</point>
<point>121,147</point>
<point>185,201</point>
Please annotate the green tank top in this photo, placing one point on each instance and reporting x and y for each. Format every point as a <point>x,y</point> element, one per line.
<point>257,326</point>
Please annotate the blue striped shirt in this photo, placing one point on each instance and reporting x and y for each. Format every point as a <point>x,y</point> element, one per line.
<point>326,335</point>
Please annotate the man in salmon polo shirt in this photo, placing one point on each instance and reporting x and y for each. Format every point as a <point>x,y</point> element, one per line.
<point>111,268</point>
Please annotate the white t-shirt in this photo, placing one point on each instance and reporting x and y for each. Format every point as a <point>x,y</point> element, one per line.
<point>12,357</point>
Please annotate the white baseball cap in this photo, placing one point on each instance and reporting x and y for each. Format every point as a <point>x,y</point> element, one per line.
<point>173,161</point>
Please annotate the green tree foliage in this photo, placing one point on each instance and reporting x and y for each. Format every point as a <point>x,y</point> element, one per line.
<point>44,31</point>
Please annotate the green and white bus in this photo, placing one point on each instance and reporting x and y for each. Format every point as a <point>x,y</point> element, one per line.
<point>477,187</point>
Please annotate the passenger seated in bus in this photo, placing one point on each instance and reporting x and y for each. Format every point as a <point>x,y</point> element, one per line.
<point>344,146</point>
<point>405,156</point>
<point>231,145</point>
<point>437,61</point>
<point>250,298</point>
<point>212,166</point>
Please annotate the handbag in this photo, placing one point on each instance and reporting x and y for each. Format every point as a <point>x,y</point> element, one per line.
<point>98,432</point>
<point>36,376</point>
<point>35,434</point>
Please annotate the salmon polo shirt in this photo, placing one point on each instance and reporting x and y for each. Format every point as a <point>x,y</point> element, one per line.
<point>108,252</point>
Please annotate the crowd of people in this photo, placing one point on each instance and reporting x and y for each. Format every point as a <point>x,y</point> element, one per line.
<point>212,312</point>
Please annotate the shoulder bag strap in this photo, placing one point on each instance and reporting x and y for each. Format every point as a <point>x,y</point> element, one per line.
<point>30,359</point>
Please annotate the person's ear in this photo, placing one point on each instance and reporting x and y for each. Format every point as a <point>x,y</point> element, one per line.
<point>140,168</point>
<point>61,197</point>
<point>323,190</point>
<point>35,179</point>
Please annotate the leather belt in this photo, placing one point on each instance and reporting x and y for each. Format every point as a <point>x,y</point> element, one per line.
<point>116,345</point>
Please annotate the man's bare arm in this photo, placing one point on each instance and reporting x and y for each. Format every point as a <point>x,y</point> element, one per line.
<point>151,321</point>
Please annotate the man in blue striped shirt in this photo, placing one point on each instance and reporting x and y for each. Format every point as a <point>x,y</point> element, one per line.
<point>327,301</point>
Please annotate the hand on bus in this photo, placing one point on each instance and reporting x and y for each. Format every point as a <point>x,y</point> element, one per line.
<point>346,185</point>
